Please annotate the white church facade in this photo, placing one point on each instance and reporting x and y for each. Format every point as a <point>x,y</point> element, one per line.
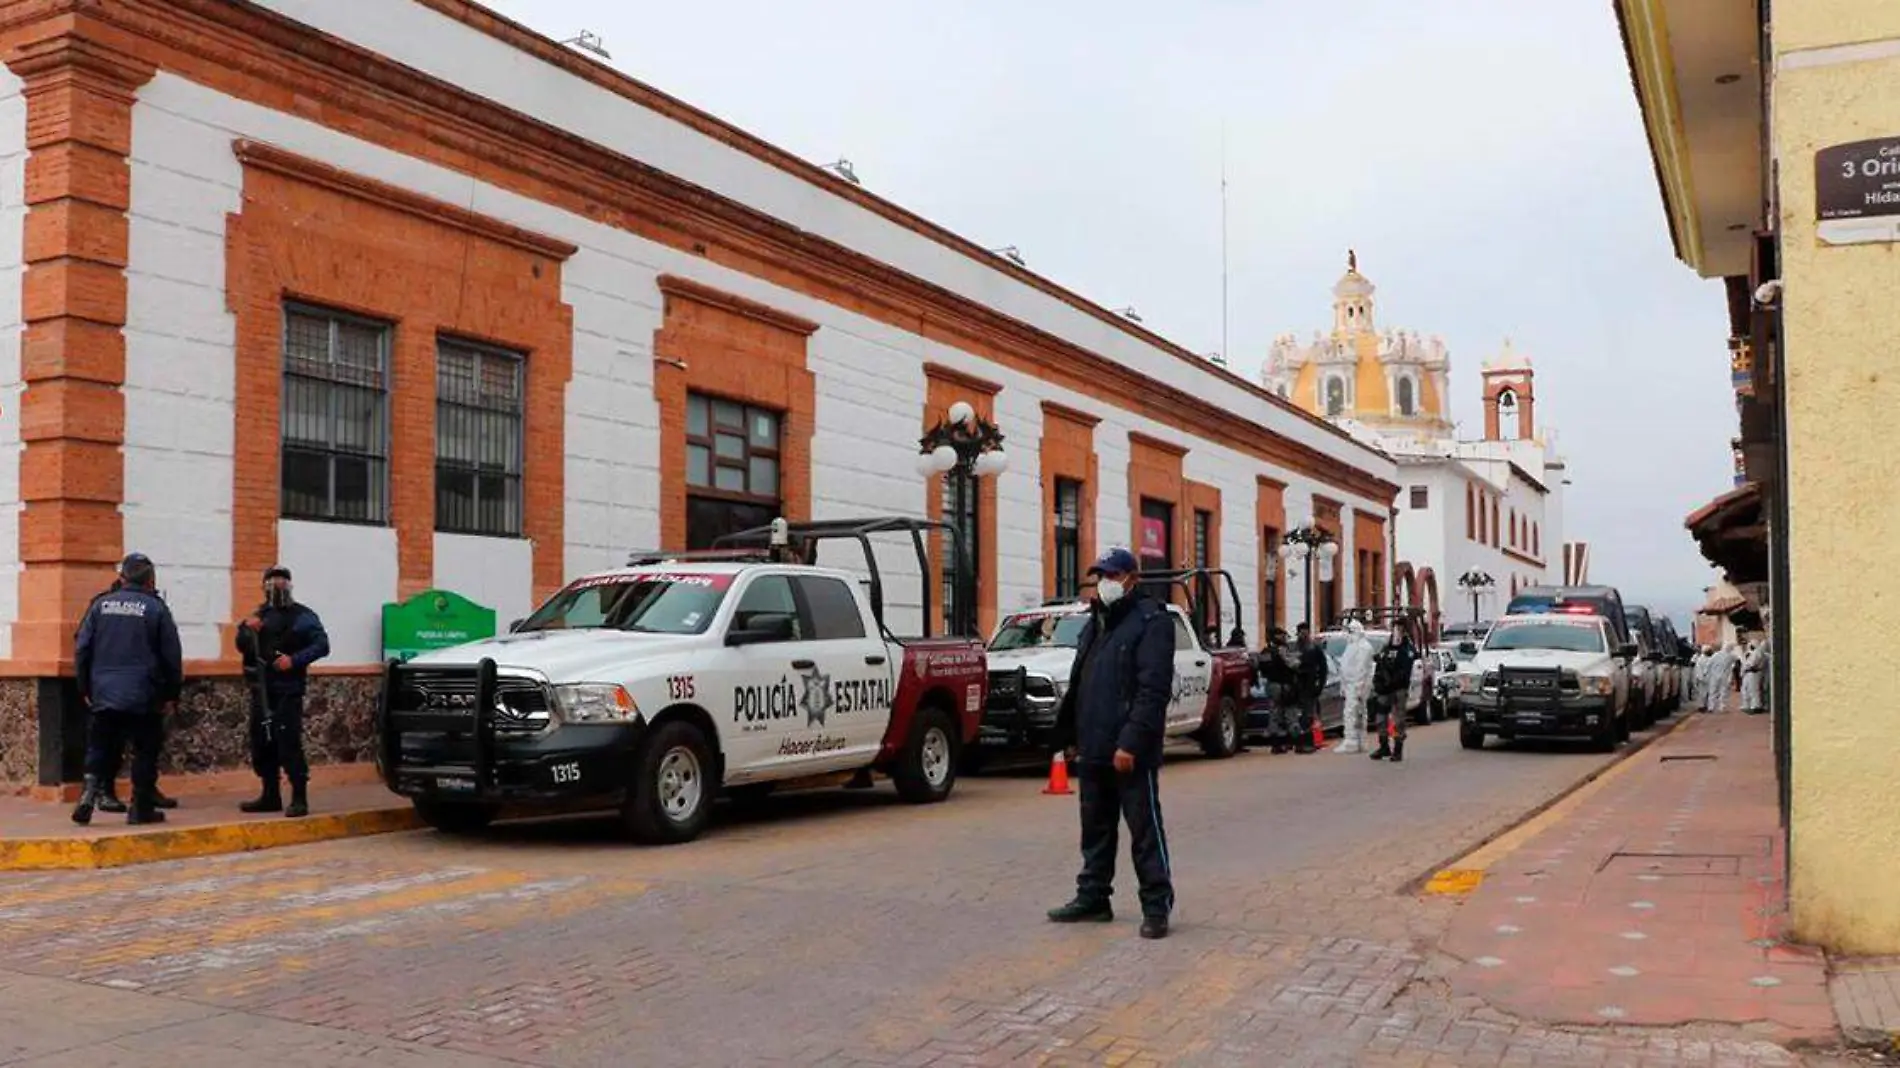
<point>1467,510</point>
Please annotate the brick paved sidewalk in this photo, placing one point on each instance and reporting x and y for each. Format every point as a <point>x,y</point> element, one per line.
<point>1658,900</point>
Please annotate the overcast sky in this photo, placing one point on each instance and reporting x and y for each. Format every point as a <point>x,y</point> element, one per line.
<point>1485,157</point>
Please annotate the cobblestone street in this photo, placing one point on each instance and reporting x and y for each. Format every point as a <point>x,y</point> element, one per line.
<point>835,929</point>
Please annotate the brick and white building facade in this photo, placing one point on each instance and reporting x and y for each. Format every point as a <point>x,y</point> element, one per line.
<point>405,296</point>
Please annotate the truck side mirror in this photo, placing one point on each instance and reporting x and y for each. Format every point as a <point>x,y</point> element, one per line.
<point>763,629</point>
<point>1628,651</point>
<point>1468,648</point>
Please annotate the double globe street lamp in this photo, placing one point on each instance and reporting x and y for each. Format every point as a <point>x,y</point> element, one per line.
<point>963,447</point>
<point>1474,582</point>
<point>1310,542</point>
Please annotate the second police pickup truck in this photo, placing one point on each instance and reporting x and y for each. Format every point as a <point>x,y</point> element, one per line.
<point>1032,652</point>
<point>655,687</point>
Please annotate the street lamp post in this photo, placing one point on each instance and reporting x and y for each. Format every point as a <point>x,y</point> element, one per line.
<point>1308,542</point>
<point>1476,581</point>
<point>963,447</point>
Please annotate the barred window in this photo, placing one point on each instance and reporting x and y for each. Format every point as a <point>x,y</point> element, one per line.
<point>335,447</point>
<point>1068,531</point>
<point>478,439</point>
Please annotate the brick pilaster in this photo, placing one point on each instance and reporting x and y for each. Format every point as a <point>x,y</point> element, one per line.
<point>79,97</point>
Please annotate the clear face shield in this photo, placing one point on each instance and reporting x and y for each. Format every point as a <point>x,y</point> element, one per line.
<point>277,591</point>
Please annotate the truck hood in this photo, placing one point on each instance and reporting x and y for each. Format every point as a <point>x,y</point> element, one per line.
<point>570,655</point>
<point>1054,663</point>
<point>1582,663</point>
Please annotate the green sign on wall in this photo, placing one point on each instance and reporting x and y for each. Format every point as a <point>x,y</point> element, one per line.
<point>433,619</point>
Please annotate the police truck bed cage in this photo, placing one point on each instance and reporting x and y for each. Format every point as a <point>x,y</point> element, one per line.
<point>1203,588</point>
<point>786,541</point>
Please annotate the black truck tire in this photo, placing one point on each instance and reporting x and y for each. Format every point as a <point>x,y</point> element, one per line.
<point>672,790</point>
<point>1469,736</point>
<point>926,769</point>
<point>1221,738</point>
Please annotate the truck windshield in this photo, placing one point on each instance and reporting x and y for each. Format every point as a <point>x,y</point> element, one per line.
<point>1564,637</point>
<point>646,603</point>
<point>1039,632</point>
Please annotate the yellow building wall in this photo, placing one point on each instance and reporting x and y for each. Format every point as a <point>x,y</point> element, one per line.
<point>1373,397</point>
<point>1826,23</point>
<point>1842,331</point>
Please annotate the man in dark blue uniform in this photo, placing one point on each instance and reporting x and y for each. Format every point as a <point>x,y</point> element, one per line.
<point>110,762</point>
<point>1113,716</point>
<point>279,642</point>
<point>130,669</point>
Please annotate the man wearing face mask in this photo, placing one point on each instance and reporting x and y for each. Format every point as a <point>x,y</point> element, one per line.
<point>279,642</point>
<point>1113,715</point>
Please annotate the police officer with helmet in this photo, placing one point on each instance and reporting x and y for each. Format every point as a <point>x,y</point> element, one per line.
<point>279,642</point>
<point>130,669</point>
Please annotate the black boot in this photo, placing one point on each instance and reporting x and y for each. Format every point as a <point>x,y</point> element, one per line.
<point>109,799</point>
<point>1154,927</point>
<point>1398,750</point>
<point>299,800</point>
<point>1384,750</point>
<point>159,800</point>
<point>1080,911</point>
<point>144,810</point>
<point>270,799</point>
<point>88,800</point>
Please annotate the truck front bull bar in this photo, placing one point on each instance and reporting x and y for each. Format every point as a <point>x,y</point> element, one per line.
<point>481,725</point>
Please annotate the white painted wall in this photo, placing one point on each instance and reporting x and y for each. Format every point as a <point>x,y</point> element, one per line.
<point>869,380</point>
<point>180,378</point>
<point>495,573</point>
<point>347,573</point>
<point>12,224</point>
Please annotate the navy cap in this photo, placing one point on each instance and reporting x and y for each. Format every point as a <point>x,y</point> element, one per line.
<point>1116,561</point>
<point>136,568</point>
<point>276,571</point>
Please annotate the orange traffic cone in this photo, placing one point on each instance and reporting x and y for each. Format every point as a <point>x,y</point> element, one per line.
<point>1058,776</point>
<point>1319,734</point>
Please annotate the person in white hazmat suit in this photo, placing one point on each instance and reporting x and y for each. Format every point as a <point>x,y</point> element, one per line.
<point>1355,685</point>
<point>1721,671</point>
<point>1754,679</point>
<point>1698,674</point>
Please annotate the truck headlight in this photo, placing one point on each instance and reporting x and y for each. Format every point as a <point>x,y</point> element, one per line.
<point>1595,685</point>
<point>595,702</point>
<point>1061,687</point>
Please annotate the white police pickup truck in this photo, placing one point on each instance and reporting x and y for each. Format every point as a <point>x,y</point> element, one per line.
<point>653,687</point>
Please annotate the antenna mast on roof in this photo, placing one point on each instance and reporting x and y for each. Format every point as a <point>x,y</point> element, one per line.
<point>1223,238</point>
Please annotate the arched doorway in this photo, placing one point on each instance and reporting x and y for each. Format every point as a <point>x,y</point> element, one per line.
<point>1428,585</point>
<point>1405,585</point>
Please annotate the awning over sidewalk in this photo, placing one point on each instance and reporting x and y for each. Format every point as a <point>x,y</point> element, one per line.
<point>1732,531</point>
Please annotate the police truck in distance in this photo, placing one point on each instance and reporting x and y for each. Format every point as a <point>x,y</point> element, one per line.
<point>655,687</point>
<point>1033,653</point>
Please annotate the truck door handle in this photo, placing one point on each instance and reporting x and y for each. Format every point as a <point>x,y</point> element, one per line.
<point>874,660</point>
<point>803,665</point>
<point>1200,663</point>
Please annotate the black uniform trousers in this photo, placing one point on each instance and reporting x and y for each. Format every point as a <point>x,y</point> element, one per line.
<point>1380,712</point>
<point>1108,798</point>
<point>277,738</point>
<point>108,733</point>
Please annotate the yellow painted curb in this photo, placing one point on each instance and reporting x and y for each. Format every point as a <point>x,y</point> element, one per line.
<point>1467,872</point>
<point>117,851</point>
